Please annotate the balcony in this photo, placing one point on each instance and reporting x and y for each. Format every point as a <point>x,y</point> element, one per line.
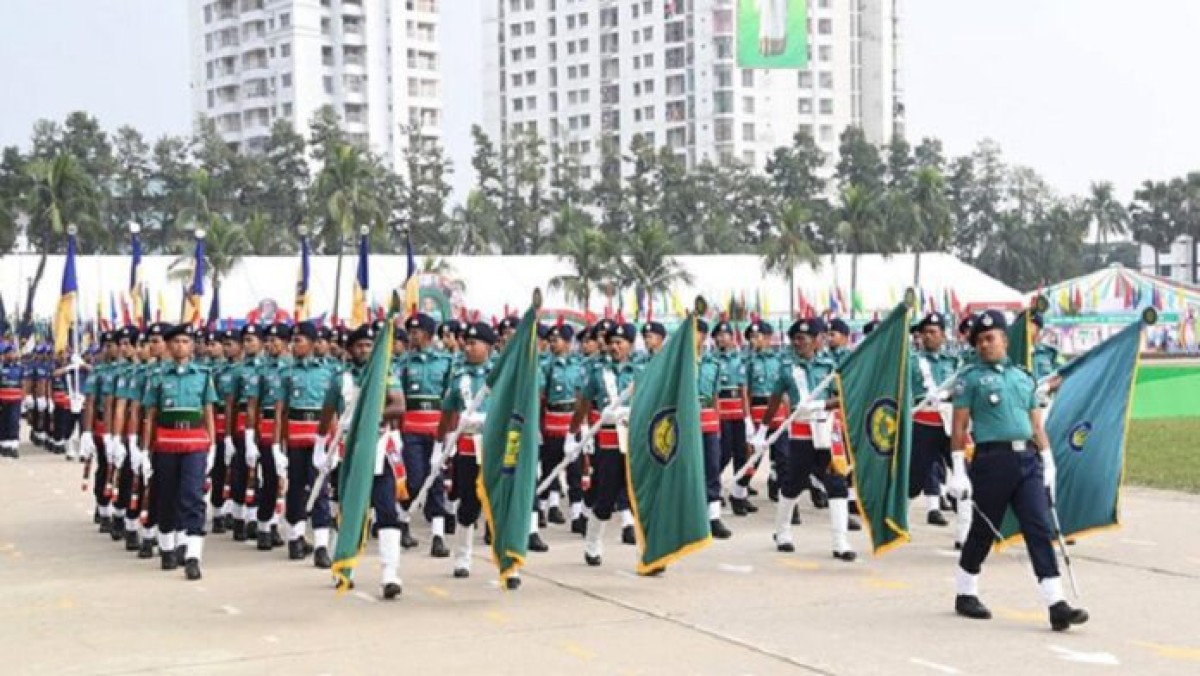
<point>352,7</point>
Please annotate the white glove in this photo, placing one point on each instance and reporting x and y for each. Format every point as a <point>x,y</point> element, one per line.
<point>76,361</point>
<point>147,467</point>
<point>135,453</point>
<point>230,449</point>
<point>211,459</point>
<point>958,483</point>
<point>759,439</point>
<point>812,409</point>
<point>119,452</point>
<point>1049,473</point>
<point>43,404</point>
<point>439,453</point>
<point>87,446</point>
<point>320,456</point>
<point>251,449</point>
<point>27,403</point>
<point>281,463</point>
<point>474,422</point>
<point>571,447</point>
<point>750,429</point>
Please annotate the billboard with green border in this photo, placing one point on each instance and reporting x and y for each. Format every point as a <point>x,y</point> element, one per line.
<point>772,34</point>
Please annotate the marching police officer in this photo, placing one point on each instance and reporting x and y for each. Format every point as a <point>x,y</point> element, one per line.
<point>180,431</point>
<point>995,401</point>
<point>243,383</point>
<point>562,378</point>
<point>929,367</point>
<point>733,409</point>
<point>708,383</point>
<point>265,389</point>
<point>12,396</point>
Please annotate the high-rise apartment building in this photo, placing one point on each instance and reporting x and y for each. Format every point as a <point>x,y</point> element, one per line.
<point>376,62</point>
<point>581,71</point>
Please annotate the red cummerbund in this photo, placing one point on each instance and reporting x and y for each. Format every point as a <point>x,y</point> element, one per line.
<point>466,445</point>
<point>167,440</point>
<point>266,429</point>
<point>928,417</point>
<point>239,424</point>
<point>421,422</point>
<point>800,430</point>
<point>730,409</point>
<point>60,399</point>
<point>11,395</point>
<point>757,413</point>
<point>710,422</point>
<point>593,417</point>
<point>607,438</point>
<point>302,433</point>
<point>555,424</point>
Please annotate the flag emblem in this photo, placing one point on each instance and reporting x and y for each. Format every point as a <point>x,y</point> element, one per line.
<point>664,436</point>
<point>882,425</point>
<point>512,447</point>
<point>1079,436</point>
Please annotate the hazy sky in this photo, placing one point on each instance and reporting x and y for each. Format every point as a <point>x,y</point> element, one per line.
<point>1080,90</point>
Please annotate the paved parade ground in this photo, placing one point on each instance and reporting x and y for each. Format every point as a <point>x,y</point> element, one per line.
<point>74,602</point>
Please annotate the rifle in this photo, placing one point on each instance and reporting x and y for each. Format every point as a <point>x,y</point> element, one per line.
<point>450,447</point>
<point>609,411</point>
<point>761,445</point>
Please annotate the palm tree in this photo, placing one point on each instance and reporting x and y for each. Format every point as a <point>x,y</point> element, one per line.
<point>589,253</point>
<point>61,193</point>
<point>789,245</point>
<point>931,217</point>
<point>345,201</point>
<point>859,227</point>
<point>1152,218</point>
<point>1105,213</point>
<point>650,268</point>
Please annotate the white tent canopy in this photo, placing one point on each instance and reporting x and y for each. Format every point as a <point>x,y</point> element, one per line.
<point>491,282</point>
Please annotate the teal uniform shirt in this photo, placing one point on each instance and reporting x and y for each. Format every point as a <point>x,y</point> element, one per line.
<point>94,388</point>
<point>247,378</point>
<point>708,376</point>
<point>476,374</point>
<point>226,381</point>
<point>130,381</point>
<point>815,369</point>
<point>731,369</point>
<point>940,366</point>
<point>333,396</point>
<point>999,397</point>
<point>270,382</point>
<point>562,380</point>
<point>304,384</point>
<point>837,354</point>
<point>762,372</point>
<point>180,392</point>
<point>1046,361</point>
<point>626,372</point>
<point>424,378</point>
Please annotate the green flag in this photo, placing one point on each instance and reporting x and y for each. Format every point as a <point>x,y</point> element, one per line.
<point>1020,340</point>
<point>508,474</point>
<point>873,381</point>
<point>665,462</point>
<point>357,472</point>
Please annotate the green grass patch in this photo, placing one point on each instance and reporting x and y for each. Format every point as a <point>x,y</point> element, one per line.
<point>1164,453</point>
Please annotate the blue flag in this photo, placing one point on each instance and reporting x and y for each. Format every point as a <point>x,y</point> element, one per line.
<point>65,314</point>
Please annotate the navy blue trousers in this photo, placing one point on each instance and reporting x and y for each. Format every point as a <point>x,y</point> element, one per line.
<point>801,459</point>
<point>418,454</point>
<point>179,491</point>
<point>1003,479</point>
<point>930,448</point>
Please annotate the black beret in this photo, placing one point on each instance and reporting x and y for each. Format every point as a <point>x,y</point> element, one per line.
<point>177,330</point>
<point>564,331</point>
<point>806,326</point>
<point>421,321</point>
<point>509,323</point>
<point>251,330</point>
<point>932,319</point>
<point>819,325</point>
<point>324,333</point>
<point>228,334</point>
<point>452,327</point>
<point>987,321</point>
<point>212,336</point>
<point>130,333</point>
<point>363,332</point>
<point>481,331</point>
<point>603,326</point>
<point>655,328</point>
<point>306,329</point>
<point>107,337</point>
<point>839,325</point>
<point>280,330</point>
<point>627,331</point>
<point>755,328</point>
<point>965,325</point>
<point>543,331</point>
<point>157,329</point>
<point>721,327</point>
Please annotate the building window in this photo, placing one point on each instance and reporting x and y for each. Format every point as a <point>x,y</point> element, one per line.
<point>285,50</point>
<point>826,106</point>
<point>825,26</point>
<point>804,79</point>
<point>515,30</point>
<point>747,104</point>
<point>826,133</point>
<point>328,84</point>
<point>747,78</point>
<point>826,79</point>
<point>516,79</point>
<point>805,106</point>
<point>285,80</point>
<point>748,131</point>
<point>285,20</point>
<point>518,105</point>
<point>825,53</point>
<point>530,52</point>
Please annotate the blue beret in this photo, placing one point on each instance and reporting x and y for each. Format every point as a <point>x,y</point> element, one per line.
<point>280,330</point>
<point>306,329</point>
<point>481,331</point>
<point>421,321</point>
<point>655,328</point>
<point>564,331</point>
<point>839,326</point>
<point>176,330</point>
<point>509,323</point>
<point>251,330</point>
<point>721,327</point>
<point>452,327</point>
<point>809,327</point>
<point>627,331</point>
<point>363,332</point>
<point>987,321</point>
<point>932,319</point>
<point>130,333</point>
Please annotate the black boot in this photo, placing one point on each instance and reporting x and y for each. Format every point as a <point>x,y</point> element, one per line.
<point>628,536</point>
<point>391,590</point>
<point>752,491</point>
<point>555,516</point>
<point>321,559</point>
<point>772,490</point>
<point>853,524</point>
<point>819,499</point>
<point>579,525</point>
<point>1062,616</point>
<point>239,530</point>
<point>847,556</point>
<point>116,531</point>
<point>438,549</point>
<point>751,508</point>
<point>296,549</point>
<point>936,518</point>
<point>786,547</point>
<point>592,560</point>
<point>146,551</point>
<point>970,606</point>
<point>796,516</point>
<point>181,552</point>
<point>542,523</point>
<point>536,544</point>
<point>131,541</point>
<point>276,538</point>
<point>718,529</point>
<point>169,562</point>
<point>252,530</point>
<point>218,527</point>
<point>191,568</point>
<point>263,540</point>
<point>407,541</point>
<point>513,583</point>
<point>451,524</point>
<point>738,505</point>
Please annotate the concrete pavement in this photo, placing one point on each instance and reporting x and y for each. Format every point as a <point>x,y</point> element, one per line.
<point>74,602</point>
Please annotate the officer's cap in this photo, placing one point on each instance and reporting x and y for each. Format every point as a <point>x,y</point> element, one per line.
<point>757,328</point>
<point>227,335</point>
<point>870,326</point>
<point>363,332</point>
<point>625,331</point>
<point>965,325</point>
<point>839,325</point>
<point>279,330</point>
<point>721,327</point>
<point>481,331</point>
<point>564,331</point>
<point>176,330</point>
<point>252,330</point>
<point>451,327</point>
<point>655,328</point>
<point>379,325</point>
<point>421,321</point>
<point>603,326</point>
<point>324,333</point>
<point>808,327</point>
<point>988,320</point>
<point>818,325</point>
<point>932,319</point>
<point>509,323</point>
<point>130,333</point>
<point>306,329</point>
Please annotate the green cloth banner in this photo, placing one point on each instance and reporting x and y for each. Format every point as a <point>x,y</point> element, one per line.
<point>508,472</point>
<point>875,404</point>
<point>665,462</point>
